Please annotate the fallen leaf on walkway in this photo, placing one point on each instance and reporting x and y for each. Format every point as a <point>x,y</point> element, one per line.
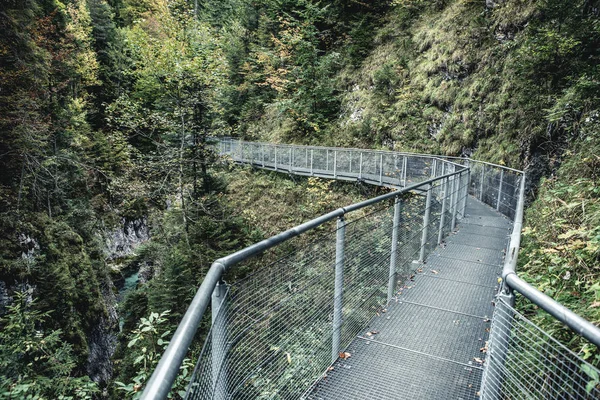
<point>345,355</point>
<point>478,360</point>
<point>330,369</point>
<point>434,271</point>
<point>470,385</point>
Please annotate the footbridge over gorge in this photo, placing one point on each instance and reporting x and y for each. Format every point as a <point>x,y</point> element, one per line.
<point>409,295</point>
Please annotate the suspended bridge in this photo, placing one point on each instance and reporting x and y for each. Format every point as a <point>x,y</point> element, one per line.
<point>409,295</point>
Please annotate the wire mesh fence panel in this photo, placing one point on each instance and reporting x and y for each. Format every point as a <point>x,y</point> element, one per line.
<point>525,362</point>
<point>366,271</point>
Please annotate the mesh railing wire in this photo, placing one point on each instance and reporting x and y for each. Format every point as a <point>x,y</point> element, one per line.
<point>279,320</point>
<point>527,363</point>
<point>379,167</point>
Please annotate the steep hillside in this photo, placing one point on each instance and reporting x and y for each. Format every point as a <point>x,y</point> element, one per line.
<point>106,108</point>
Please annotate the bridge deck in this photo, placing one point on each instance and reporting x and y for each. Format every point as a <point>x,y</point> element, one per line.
<point>428,343</point>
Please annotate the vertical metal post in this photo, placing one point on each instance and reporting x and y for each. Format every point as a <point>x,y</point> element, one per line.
<point>433,170</point>
<point>396,168</point>
<point>425,224</point>
<point>306,158</point>
<point>500,190</point>
<point>275,150</point>
<point>219,341</point>
<point>262,150</point>
<point>394,255</point>
<point>404,165</point>
<point>467,187</point>
<point>381,168</point>
<point>327,160</point>
<point>454,200</point>
<point>481,182</point>
<point>311,162</point>
<point>493,374</point>
<point>339,289</point>
<point>291,155</point>
<point>443,216</point>
<point>335,164</point>
<point>360,166</point>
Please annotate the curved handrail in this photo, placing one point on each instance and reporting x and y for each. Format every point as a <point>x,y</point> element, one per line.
<point>166,371</point>
<point>576,323</point>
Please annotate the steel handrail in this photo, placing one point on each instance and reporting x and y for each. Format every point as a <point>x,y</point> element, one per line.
<point>512,281</point>
<point>166,371</point>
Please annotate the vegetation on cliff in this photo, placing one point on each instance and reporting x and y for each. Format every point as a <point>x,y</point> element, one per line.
<point>106,107</point>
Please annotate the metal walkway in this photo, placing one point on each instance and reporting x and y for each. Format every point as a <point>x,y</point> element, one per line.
<point>429,342</point>
<point>398,298</point>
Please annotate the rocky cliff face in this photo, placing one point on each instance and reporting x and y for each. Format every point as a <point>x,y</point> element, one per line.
<point>120,244</point>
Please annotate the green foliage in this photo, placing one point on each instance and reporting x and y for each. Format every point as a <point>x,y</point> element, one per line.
<point>147,343</point>
<point>36,363</point>
<point>561,245</point>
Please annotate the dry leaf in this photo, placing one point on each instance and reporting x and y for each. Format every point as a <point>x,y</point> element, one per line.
<point>330,369</point>
<point>345,355</point>
<point>470,385</point>
<point>595,304</point>
<point>434,271</point>
<point>478,360</point>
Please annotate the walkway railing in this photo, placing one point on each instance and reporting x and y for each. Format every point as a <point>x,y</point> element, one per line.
<point>275,332</point>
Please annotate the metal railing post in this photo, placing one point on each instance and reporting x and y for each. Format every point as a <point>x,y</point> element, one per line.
<point>219,341</point>
<point>262,150</point>
<point>335,164</point>
<point>454,205</point>
<point>394,255</point>
<point>291,155</point>
<point>425,223</point>
<point>433,170</point>
<point>275,151</point>
<point>381,168</point>
<point>360,166</point>
<point>500,190</point>
<point>404,166</point>
<point>327,160</point>
<point>493,373</point>
<point>466,195</point>
<point>312,173</point>
<point>443,216</point>
<point>306,158</point>
<point>339,289</point>
<point>481,182</point>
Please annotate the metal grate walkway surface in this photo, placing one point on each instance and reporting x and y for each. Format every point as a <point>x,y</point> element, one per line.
<point>429,342</point>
